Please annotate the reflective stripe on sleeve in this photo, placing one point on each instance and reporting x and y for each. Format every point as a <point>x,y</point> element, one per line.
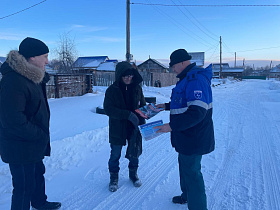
<point>196,103</point>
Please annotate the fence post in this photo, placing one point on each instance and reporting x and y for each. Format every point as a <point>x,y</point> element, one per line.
<point>56,87</point>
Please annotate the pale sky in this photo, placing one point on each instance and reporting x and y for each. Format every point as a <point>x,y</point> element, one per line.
<point>99,28</point>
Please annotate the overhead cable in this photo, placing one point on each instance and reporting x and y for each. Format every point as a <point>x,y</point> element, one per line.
<point>22,10</point>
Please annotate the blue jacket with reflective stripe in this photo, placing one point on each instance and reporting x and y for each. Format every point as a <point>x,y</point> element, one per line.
<point>191,112</point>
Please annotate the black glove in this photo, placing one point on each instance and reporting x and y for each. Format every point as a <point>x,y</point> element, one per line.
<point>133,119</point>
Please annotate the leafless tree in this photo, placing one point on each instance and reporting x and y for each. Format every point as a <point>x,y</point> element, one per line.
<point>66,53</point>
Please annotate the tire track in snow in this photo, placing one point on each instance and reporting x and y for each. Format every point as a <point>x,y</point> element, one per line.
<point>268,160</point>
<point>154,166</point>
<point>153,172</point>
<point>226,189</point>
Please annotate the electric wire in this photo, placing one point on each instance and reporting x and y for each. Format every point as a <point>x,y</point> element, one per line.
<point>182,27</point>
<point>194,22</point>
<point>198,21</point>
<point>214,5</point>
<point>22,10</point>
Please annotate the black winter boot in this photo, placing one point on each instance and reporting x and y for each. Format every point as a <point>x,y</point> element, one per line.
<point>179,199</point>
<point>49,206</point>
<point>134,177</point>
<point>113,185</point>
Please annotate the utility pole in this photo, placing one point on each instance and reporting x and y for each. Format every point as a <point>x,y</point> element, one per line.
<point>235,60</point>
<point>128,56</point>
<point>220,57</point>
<point>269,69</point>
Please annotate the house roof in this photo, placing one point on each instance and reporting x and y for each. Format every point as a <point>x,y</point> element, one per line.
<point>90,62</point>
<point>276,69</point>
<point>229,70</point>
<point>2,59</point>
<point>155,61</point>
<point>217,65</point>
<point>107,66</point>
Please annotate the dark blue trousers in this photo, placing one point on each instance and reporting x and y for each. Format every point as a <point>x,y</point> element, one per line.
<point>115,157</point>
<point>191,181</point>
<point>29,185</point>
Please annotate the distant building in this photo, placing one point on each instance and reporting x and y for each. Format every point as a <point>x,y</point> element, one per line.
<point>198,58</point>
<point>152,65</point>
<point>94,63</point>
<point>107,66</point>
<point>275,72</point>
<point>226,71</point>
<point>2,60</point>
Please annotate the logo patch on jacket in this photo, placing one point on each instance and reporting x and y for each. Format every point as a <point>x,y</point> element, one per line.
<point>198,94</point>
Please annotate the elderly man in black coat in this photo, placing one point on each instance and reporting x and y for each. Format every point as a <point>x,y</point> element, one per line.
<point>121,99</point>
<point>24,123</point>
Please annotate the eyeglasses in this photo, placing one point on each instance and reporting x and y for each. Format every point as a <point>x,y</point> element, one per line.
<point>128,76</point>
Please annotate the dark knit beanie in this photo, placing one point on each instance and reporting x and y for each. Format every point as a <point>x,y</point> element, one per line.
<point>31,47</point>
<point>179,56</point>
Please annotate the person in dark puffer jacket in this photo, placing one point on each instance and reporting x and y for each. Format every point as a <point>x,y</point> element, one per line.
<point>121,99</point>
<point>191,126</point>
<point>24,123</point>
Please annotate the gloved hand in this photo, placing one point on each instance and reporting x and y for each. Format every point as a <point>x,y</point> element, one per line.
<point>133,119</point>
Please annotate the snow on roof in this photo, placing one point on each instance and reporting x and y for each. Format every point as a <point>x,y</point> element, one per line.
<point>107,66</point>
<point>2,59</point>
<point>95,64</point>
<point>92,61</point>
<point>217,65</point>
<point>276,69</point>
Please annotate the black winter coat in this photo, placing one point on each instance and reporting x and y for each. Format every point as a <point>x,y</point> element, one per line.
<point>24,112</point>
<point>115,107</point>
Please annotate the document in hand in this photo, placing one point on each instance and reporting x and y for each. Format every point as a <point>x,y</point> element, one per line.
<point>148,111</point>
<point>147,130</point>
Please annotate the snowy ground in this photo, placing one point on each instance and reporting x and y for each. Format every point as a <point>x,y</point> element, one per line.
<point>242,173</point>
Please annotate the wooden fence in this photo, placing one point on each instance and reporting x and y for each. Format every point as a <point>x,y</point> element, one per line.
<point>67,85</point>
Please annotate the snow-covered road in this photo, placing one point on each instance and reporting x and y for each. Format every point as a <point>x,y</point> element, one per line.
<point>242,173</point>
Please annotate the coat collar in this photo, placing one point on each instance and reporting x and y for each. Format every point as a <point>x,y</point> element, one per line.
<point>20,65</point>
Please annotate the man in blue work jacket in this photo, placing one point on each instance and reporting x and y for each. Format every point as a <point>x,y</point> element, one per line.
<point>191,126</point>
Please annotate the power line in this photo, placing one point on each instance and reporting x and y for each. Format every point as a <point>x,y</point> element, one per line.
<point>182,27</point>
<point>198,21</point>
<point>259,49</point>
<point>194,22</point>
<point>224,5</point>
<point>22,10</point>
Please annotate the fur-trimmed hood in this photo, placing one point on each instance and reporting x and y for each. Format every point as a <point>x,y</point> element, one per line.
<point>20,65</point>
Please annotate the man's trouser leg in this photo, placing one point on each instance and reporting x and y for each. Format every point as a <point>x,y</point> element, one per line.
<point>39,197</point>
<point>28,184</point>
<point>114,158</point>
<point>23,179</point>
<point>191,181</point>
